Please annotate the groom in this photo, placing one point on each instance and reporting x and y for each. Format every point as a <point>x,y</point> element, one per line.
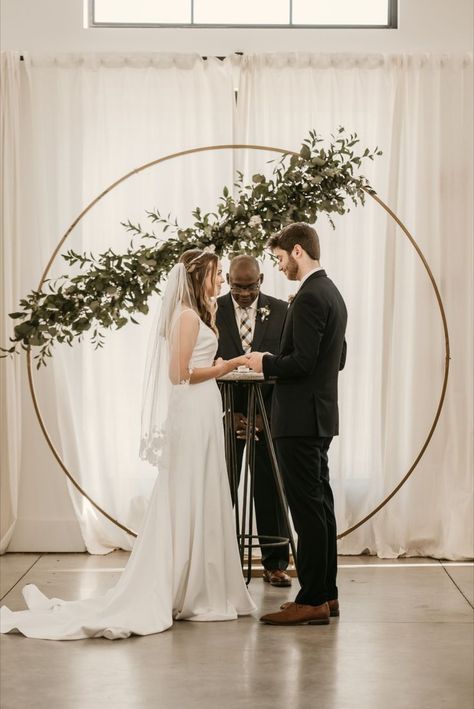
<point>305,418</point>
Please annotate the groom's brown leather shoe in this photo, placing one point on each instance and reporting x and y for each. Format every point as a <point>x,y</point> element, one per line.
<point>276,577</point>
<point>333,607</point>
<point>298,614</point>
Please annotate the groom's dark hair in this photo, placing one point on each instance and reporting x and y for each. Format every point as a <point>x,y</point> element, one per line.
<point>297,233</point>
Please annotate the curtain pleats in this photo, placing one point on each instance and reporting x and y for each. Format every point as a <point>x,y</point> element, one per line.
<point>92,118</point>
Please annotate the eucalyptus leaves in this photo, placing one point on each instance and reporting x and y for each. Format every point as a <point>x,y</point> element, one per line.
<point>111,287</point>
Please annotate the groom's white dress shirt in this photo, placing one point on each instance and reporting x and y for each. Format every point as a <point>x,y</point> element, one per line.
<point>319,268</point>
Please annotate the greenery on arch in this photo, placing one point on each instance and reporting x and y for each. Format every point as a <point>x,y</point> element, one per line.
<point>108,289</point>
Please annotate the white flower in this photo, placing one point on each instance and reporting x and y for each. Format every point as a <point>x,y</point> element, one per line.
<point>256,220</point>
<point>211,248</point>
<point>264,312</point>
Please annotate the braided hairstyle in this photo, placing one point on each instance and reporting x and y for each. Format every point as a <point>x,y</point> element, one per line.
<point>198,263</point>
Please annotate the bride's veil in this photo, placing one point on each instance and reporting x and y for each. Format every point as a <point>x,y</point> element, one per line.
<point>157,382</point>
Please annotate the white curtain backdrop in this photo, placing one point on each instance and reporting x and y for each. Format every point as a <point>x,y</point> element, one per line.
<point>93,118</point>
<point>418,110</point>
<point>10,400</point>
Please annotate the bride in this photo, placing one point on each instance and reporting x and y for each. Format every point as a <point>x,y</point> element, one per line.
<point>185,562</point>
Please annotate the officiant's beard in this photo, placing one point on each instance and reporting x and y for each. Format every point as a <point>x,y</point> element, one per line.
<point>291,268</point>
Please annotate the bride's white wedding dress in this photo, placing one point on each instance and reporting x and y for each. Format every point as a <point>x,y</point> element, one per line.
<point>185,563</point>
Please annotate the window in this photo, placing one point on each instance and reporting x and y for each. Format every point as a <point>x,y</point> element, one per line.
<point>381,14</point>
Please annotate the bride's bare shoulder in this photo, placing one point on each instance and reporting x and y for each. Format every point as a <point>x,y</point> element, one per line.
<point>188,312</point>
<point>189,317</point>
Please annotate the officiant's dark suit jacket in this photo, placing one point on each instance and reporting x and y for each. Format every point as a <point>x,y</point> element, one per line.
<point>271,519</point>
<point>266,338</point>
<point>312,351</point>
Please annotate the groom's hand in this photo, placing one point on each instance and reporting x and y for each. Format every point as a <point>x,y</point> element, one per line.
<point>254,361</point>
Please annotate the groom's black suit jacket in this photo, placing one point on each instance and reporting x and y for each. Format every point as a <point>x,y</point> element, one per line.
<point>312,351</point>
<point>266,338</point>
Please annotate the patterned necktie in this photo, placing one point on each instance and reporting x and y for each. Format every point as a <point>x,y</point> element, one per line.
<point>245,329</point>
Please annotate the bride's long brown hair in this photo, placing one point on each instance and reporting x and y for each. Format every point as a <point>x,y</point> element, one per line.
<point>198,264</point>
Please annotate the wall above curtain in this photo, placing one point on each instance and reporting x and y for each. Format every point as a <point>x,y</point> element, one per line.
<point>58,26</point>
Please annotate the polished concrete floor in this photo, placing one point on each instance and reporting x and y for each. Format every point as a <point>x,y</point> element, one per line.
<point>404,641</point>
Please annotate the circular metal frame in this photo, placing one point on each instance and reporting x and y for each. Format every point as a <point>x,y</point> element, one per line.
<point>274,150</point>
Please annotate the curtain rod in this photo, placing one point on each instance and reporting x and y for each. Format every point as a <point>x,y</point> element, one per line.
<point>240,54</point>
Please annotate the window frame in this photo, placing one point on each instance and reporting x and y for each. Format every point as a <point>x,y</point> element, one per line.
<point>392,22</point>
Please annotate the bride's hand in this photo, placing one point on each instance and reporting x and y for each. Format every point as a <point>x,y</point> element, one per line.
<point>219,364</point>
<point>239,362</point>
<point>223,366</point>
<point>228,365</point>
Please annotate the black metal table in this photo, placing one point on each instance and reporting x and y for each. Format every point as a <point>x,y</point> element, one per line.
<point>256,405</point>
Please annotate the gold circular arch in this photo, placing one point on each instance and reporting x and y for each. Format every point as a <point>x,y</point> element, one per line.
<point>238,146</point>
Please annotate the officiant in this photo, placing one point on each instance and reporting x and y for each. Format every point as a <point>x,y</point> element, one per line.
<point>247,319</point>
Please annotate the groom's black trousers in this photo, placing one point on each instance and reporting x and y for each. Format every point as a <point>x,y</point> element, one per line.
<point>304,466</point>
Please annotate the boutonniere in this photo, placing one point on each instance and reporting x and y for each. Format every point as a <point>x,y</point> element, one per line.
<point>264,312</point>
<point>291,299</point>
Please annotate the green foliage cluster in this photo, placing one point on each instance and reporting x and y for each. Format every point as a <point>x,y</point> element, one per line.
<point>111,287</point>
